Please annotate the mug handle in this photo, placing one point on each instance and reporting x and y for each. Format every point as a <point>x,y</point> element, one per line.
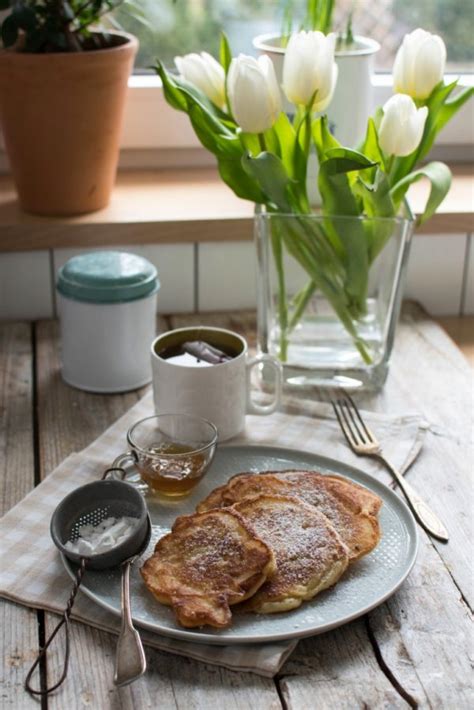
<point>253,407</point>
<point>117,469</point>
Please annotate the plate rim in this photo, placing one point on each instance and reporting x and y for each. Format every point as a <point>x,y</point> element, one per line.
<point>189,635</point>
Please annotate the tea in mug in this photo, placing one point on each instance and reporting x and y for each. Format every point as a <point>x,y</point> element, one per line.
<point>195,353</point>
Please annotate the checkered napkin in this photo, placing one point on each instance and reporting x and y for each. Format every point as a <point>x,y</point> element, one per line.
<point>32,573</point>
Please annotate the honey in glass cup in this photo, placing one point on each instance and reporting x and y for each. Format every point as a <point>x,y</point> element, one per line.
<point>171,452</point>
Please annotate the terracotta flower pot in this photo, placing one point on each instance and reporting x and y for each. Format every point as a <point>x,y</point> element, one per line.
<point>61,115</point>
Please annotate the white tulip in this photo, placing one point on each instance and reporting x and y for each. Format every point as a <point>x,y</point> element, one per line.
<point>402,125</point>
<point>309,66</point>
<point>253,92</point>
<point>419,64</point>
<point>206,73</point>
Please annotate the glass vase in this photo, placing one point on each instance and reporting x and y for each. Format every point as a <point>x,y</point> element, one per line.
<point>328,295</point>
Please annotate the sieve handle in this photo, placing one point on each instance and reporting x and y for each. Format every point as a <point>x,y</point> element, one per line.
<point>64,622</point>
<point>130,661</point>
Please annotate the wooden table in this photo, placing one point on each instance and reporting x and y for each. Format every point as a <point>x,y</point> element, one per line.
<point>412,650</point>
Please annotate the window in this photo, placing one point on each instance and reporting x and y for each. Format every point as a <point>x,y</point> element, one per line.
<point>179,26</point>
<point>174,27</point>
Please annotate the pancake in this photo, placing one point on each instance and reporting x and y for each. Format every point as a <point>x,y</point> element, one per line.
<point>349,491</point>
<point>207,563</point>
<point>310,555</point>
<point>349,507</point>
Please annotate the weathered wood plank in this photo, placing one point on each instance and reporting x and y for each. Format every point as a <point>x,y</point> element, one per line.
<point>171,682</point>
<point>19,636</point>
<point>338,670</point>
<point>426,627</point>
<point>69,420</point>
<point>430,376</point>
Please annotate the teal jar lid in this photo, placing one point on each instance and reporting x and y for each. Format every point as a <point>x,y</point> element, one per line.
<point>107,277</point>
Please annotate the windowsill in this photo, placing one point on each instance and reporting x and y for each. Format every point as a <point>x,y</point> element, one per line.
<point>185,205</point>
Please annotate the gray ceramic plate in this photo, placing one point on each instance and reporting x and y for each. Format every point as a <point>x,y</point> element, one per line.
<point>365,585</point>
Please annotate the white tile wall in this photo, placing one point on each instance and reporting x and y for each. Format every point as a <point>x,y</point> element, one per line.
<point>435,272</point>
<point>25,286</point>
<point>175,264</point>
<point>227,276</point>
<point>469,293</point>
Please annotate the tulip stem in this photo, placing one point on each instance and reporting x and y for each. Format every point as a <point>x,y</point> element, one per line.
<point>389,164</point>
<point>261,140</point>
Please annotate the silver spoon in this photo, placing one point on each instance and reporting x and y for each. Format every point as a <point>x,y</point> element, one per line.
<point>130,661</point>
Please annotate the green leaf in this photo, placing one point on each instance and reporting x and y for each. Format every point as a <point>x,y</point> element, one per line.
<point>25,18</point>
<point>347,237</point>
<point>9,31</point>
<point>234,175</point>
<point>322,137</point>
<point>270,174</point>
<point>173,94</point>
<point>449,109</point>
<point>345,160</point>
<point>439,176</point>
<point>225,53</point>
<point>377,202</point>
<point>212,134</point>
<point>371,148</point>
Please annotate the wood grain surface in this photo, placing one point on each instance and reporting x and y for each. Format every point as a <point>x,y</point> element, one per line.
<point>147,208</point>
<point>412,651</point>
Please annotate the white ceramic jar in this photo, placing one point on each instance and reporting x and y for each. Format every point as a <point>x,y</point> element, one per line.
<point>107,309</point>
<point>352,103</point>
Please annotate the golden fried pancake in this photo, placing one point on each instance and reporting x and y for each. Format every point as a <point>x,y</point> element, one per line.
<point>207,562</point>
<point>344,503</point>
<point>349,491</point>
<point>310,555</point>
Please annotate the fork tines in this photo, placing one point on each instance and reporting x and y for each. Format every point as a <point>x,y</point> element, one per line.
<point>352,425</point>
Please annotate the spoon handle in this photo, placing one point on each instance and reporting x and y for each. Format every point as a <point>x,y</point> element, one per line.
<point>130,661</point>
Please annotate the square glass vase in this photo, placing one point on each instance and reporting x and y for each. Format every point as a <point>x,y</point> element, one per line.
<point>329,291</point>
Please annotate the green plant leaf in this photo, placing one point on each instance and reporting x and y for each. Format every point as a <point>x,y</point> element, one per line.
<point>269,173</point>
<point>322,137</point>
<point>377,202</point>
<point>235,177</point>
<point>173,94</point>
<point>439,176</point>
<point>9,31</point>
<point>348,237</point>
<point>225,52</point>
<point>371,148</point>
<point>25,18</point>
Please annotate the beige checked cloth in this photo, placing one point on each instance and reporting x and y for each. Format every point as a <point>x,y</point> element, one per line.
<point>32,573</point>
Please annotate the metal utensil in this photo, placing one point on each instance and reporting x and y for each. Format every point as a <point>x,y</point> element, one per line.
<point>130,661</point>
<point>91,504</point>
<point>363,442</point>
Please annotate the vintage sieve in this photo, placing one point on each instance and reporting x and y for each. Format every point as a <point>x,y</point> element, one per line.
<point>91,504</point>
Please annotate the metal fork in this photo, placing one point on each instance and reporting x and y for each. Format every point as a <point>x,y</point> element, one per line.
<point>364,443</point>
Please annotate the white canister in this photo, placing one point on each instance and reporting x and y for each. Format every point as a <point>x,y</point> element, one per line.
<point>107,308</point>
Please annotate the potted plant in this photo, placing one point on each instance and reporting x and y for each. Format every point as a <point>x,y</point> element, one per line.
<point>329,282</point>
<point>354,60</point>
<point>62,96</point>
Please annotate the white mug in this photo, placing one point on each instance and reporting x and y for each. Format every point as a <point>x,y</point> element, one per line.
<point>220,392</point>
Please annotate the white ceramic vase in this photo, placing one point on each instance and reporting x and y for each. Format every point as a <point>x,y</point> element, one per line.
<point>352,102</point>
